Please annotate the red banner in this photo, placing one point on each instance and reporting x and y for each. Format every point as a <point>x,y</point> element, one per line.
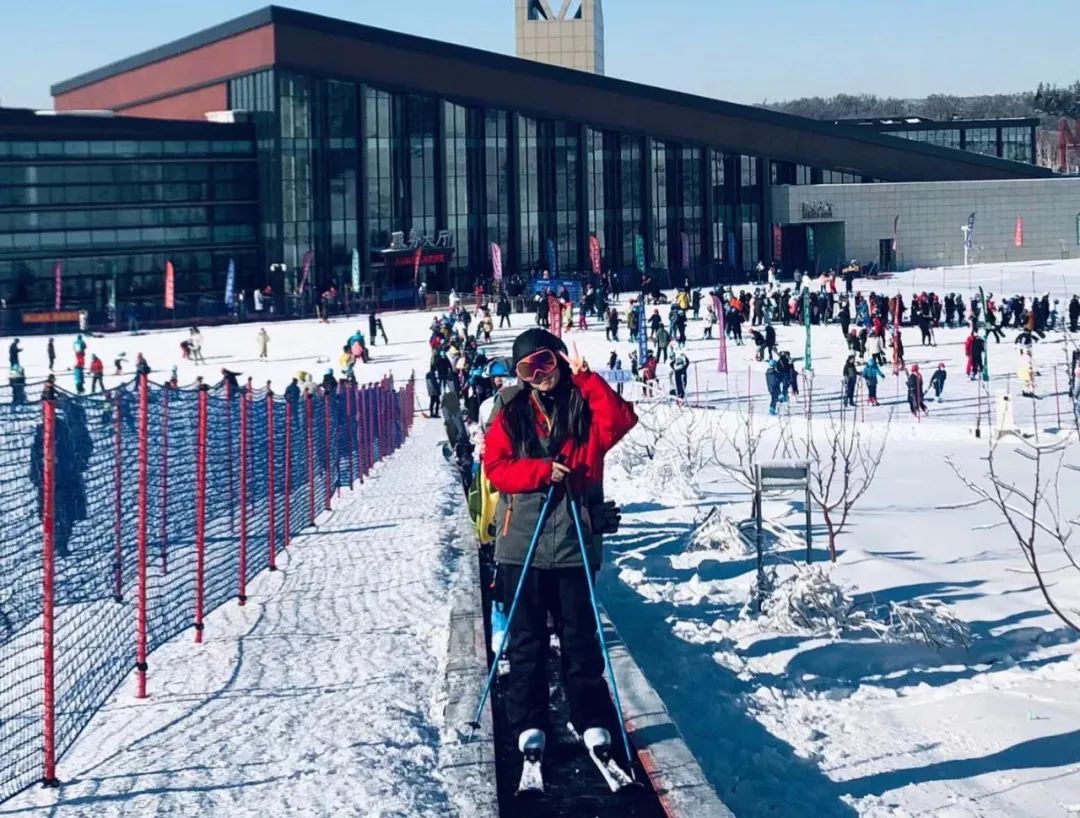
<point>309,256</point>
<point>721,361</point>
<point>594,254</point>
<point>170,286</point>
<point>555,312</point>
<point>1019,238</point>
<point>777,243</point>
<point>58,285</point>
<point>416,265</point>
<point>496,261</point>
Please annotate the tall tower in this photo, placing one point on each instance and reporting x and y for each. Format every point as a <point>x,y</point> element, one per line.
<point>572,36</point>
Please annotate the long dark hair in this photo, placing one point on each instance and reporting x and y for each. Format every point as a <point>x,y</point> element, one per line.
<point>565,406</point>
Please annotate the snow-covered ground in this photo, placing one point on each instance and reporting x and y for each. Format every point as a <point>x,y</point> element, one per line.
<point>786,724</point>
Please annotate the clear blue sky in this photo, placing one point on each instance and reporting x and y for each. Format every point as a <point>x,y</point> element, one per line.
<point>731,49</point>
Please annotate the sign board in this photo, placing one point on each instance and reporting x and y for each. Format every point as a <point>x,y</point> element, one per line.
<point>538,285</point>
<point>54,317</point>
<point>783,474</point>
<point>817,210</point>
<point>616,375</point>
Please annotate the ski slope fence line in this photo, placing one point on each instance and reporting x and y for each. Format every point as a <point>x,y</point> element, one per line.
<point>129,515</point>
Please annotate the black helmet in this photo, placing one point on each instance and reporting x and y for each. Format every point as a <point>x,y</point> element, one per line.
<point>533,340</point>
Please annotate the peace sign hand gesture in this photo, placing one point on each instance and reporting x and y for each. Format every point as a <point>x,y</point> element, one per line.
<point>577,363</point>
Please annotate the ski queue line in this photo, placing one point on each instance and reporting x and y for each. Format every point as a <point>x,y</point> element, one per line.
<point>537,773</point>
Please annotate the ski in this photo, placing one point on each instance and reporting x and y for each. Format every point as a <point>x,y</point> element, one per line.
<point>616,777</point>
<point>532,777</point>
<point>531,745</point>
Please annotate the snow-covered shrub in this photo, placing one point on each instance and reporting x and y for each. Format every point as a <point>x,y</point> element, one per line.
<point>807,601</point>
<point>928,621</point>
<point>719,533</point>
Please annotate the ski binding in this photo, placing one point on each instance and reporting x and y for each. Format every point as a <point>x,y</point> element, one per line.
<point>600,752</point>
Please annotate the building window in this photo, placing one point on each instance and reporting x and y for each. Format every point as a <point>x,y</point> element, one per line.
<point>528,147</point>
<point>456,148</point>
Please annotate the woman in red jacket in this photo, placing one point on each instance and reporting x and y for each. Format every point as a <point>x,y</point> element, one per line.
<point>553,428</point>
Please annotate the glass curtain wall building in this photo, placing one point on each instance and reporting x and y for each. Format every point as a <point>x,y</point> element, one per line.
<point>107,206</point>
<point>426,158</point>
<point>347,165</point>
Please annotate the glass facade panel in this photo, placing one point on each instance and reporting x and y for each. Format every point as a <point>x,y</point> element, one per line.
<point>112,212</point>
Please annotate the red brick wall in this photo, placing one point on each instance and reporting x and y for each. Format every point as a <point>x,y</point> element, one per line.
<point>240,54</point>
<point>192,105</point>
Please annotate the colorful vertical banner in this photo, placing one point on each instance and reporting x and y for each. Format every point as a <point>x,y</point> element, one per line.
<point>1078,228</point>
<point>355,270</point>
<point>496,261</point>
<point>553,260</point>
<point>170,286</point>
<point>309,257</point>
<point>1018,238</point>
<point>721,360</point>
<point>639,253</point>
<point>594,254</point>
<point>777,244</point>
<point>896,234</point>
<point>685,241</point>
<point>416,266</point>
<point>230,285</point>
<point>58,285</point>
<point>808,358</point>
<point>970,231</point>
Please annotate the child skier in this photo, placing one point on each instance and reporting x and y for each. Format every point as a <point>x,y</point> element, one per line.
<point>872,374</point>
<point>916,400</point>
<point>937,381</point>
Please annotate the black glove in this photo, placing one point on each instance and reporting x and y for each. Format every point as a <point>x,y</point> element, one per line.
<point>605,517</point>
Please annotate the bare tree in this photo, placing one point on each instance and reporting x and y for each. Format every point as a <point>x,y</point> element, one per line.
<point>741,440</point>
<point>844,457</point>
<point>1033,513</point>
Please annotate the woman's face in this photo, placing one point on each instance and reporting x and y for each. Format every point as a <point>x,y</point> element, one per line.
<point>549,382</point>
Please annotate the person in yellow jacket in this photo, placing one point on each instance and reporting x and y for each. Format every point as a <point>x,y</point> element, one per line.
<point>682,298</point>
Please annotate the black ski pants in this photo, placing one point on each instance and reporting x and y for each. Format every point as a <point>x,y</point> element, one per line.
<point>564,593</point>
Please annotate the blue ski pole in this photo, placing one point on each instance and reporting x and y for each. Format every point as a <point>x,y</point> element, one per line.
<point>475,723</point>
<point>576,513</point>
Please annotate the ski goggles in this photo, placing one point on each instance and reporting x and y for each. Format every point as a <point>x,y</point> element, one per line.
<point>537,366</point>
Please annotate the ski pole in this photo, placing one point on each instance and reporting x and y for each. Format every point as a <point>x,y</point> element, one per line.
<point>475,723</point>
<point>576,514</point>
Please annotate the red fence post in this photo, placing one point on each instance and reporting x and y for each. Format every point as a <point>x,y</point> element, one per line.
<point>371,425</point>
<point>164,530</point>
<point>359,431</point>
<point>348,431</point>
<point>229,438</point>
<point>362,417</point>
<point>245,400</point>
<point>250,475</point>
<point>48,530</point>
<point>144,466</point>
<point>311,456</point>
<point>118,516</point>
<point>326,445</point>
<point>200,511</point>
<point>270,484</point>
<point>287,489</point>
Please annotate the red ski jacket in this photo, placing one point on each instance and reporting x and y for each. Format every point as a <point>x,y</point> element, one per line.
<point>612,418</point>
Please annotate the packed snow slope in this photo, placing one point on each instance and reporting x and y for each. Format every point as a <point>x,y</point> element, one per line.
<point>320,697</point>
<point>787,723</point>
